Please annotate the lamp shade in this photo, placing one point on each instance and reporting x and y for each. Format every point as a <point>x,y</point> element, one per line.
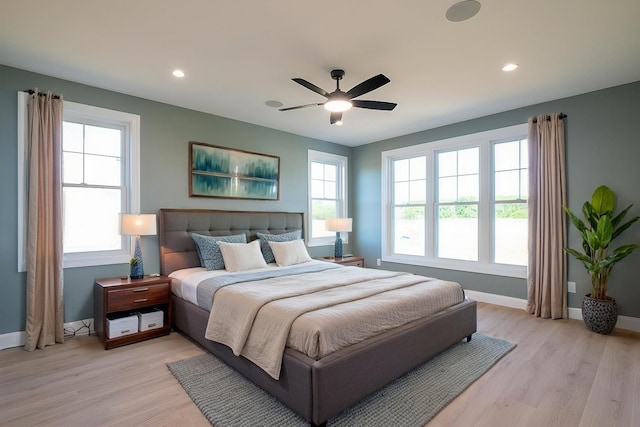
<point>138,224</point>
<point>338,224</point>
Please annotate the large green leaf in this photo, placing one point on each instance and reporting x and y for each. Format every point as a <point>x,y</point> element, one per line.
<point>590,214</point>
<point>624,226</point>
<point>621,252</point>
<point>618,218</point>
<point>581,257</point>
<point>604,231</point>
<point>577,222</point>
<point>603,200</point>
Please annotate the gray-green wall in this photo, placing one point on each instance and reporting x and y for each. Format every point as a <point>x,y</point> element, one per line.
<point>602,147</point>
<point>165,134</point>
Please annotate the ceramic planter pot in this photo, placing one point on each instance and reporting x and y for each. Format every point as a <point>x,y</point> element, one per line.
<point>599,315</point>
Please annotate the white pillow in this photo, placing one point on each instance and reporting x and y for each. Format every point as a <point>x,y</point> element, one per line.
<point>290,253</point>
<point>242,256</point>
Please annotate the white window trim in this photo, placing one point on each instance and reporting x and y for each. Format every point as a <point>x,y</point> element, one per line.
<point>483,265</point>
<point>342,163</point>
<point>131,122</point>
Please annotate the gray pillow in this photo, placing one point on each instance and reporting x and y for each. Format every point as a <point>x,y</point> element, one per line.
<point>209,251</point>
<point>267,253</point>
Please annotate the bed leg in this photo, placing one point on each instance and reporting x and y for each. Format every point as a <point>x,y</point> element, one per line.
<point>468,338</point>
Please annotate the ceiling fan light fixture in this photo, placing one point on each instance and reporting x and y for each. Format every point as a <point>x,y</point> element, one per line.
<point>338,105</point>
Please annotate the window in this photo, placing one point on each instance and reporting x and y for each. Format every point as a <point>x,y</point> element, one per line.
<point>328,195</point>
<point>100,173</point>
<point>459,203</point>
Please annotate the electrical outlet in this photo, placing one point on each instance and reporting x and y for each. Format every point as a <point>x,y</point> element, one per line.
<point>571,287</point>
<point>378,262</point>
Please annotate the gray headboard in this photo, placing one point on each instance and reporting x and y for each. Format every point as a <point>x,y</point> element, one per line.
<point>177,249</point>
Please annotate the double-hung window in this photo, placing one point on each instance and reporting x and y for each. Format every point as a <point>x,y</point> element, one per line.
<point>100,180</point>
<point>327,195</point>
<point>459,203</point>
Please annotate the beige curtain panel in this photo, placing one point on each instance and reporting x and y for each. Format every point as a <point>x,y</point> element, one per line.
<point>547,276</point>
<point>45,310</point>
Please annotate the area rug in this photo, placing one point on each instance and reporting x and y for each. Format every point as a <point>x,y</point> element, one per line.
<point>227,399</point>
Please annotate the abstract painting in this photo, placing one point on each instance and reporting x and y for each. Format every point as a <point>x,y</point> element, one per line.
<point>230,173</point>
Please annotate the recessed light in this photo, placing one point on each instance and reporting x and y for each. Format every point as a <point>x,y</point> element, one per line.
<point>178,73</point>
<point>509,67</point>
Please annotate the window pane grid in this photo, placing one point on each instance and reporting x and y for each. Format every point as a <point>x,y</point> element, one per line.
<point>510,208</point>
<point>93,194</point>
<point>409,205</point>
<point>327,196</point>
<point>476,190</point>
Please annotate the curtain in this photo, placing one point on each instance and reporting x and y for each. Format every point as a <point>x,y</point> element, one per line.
<point>44,323</point>
<point>547,276</point>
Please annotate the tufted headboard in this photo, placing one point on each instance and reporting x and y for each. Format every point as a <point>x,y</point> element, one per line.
<point>177,249</point>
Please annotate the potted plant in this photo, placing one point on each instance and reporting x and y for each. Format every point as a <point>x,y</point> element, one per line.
<point>602,226</point>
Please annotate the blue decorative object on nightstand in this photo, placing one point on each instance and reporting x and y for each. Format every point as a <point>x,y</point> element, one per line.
<point>338,246</point>
<point>137,269</point>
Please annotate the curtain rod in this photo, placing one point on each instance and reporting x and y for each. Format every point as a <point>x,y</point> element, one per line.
<point>31,92</point>
<point>561,116</point>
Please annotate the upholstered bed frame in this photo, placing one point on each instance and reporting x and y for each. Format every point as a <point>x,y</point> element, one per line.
<point>315,389</point>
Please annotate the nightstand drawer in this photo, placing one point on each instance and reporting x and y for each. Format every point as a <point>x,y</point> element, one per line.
<point>358,263</point>
<point>141,296</point>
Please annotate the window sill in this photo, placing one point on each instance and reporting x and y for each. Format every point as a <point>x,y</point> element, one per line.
<point>93,259</point>
<point>467,266</point>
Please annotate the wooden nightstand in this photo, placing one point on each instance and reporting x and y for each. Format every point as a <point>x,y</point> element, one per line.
<point>356,261</point>
<point>116,296</point>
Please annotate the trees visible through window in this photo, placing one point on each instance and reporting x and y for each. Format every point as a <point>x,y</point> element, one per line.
<point>459,203</point>
<point>100,174</point>
<point>327,194</point>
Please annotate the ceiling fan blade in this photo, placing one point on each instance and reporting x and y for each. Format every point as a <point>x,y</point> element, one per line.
<point>301,106</point>
<point>374,105</point>
<point>311,86</point>
<point>368,85</point>
<point>335,117</point>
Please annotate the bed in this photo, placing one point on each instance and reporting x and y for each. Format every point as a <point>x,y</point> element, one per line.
<point>316,388</point>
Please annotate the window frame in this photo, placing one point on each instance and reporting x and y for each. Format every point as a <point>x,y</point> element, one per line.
<point>341,163</point>
<point>485,141</point>
<point>90,115</point>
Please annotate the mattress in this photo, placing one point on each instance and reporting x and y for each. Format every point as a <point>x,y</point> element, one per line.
<point>376,301</point>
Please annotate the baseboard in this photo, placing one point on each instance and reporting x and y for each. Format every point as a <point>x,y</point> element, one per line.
<point>17,339</point>
<point>624,322</point>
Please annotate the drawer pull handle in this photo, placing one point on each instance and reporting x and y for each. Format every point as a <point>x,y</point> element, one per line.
<point>140,289</point>
<point>140,300</point>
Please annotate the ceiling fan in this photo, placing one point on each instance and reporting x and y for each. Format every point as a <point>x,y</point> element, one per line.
<point>338,101</point>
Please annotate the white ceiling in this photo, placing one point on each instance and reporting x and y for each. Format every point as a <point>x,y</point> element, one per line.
<point>239,54</point>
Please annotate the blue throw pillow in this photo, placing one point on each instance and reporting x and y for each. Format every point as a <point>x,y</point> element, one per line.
<point>209,251</point>
<point>267,253</point>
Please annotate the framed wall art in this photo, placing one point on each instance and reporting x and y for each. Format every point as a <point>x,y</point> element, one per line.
<point>229,173</point>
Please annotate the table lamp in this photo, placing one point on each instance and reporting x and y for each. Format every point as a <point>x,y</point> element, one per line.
<point>338,225</point>
<point>137,225</point>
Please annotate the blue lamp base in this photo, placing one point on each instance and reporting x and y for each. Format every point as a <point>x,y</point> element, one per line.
<point>338,246</point>
<point>137,270</point>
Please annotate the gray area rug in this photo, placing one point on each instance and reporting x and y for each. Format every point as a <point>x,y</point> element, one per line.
<point>227,399</point>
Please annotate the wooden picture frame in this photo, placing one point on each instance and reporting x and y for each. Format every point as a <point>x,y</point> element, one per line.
<point>223,172</point>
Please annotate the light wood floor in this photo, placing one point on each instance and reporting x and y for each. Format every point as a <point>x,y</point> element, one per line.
<point>559,374</point>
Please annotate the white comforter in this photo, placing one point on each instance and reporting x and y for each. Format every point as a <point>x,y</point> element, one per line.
<point>319,313</point>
